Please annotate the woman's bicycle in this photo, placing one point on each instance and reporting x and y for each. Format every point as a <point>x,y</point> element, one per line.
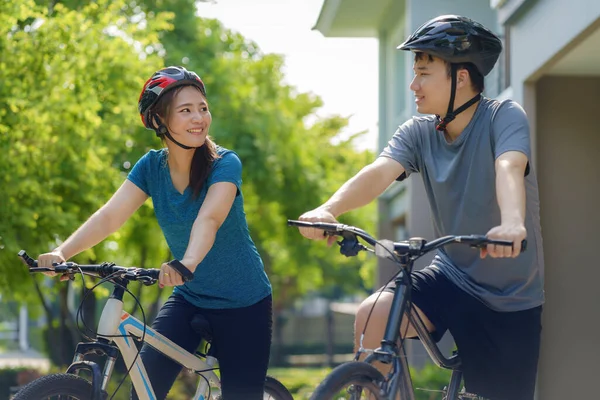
<point>117,334</point>
<point>359,379</point>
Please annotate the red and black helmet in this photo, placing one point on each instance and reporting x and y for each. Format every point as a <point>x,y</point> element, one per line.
<point>166,78</point>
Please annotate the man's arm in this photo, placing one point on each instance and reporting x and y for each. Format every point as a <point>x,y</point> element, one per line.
<point>358,191</point>
<point>364,187</point>
<point>510,192</point>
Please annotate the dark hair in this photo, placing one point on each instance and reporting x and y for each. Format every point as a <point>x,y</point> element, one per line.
<point>204,156</point>
<point>476,76</point>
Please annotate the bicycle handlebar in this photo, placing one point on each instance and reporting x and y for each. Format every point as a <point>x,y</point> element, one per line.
<point>104,270</point>
<point>416,247</point>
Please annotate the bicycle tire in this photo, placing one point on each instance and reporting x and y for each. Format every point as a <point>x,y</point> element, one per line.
<point>48,386</point>
<point>357,373</point>
<point>276,390</point>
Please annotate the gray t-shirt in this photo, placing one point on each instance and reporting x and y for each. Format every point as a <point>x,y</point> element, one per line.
<point>460,181</point>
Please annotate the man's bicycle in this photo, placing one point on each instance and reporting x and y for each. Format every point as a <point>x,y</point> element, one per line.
<point>359,379</point>
<point>117,334</point>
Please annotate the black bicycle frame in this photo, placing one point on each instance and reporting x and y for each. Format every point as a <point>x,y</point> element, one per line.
<point>389,353</point>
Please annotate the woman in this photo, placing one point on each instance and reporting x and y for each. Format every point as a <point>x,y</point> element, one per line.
<point>217,272</point>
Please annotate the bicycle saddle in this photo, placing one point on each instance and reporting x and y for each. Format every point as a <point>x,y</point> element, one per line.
<point>201,326</point>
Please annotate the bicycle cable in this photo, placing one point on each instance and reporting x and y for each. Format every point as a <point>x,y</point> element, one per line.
<point>362,335</point>
<point>206,379</point>
<point>87,292</point>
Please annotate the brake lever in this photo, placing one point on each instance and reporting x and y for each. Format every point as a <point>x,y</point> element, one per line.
<point>350,246</point>
<point>65,269</point>
<point>147,281</point>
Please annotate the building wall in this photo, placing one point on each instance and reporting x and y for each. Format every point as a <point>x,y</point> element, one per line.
<point>540,34</point>
<point>568,149</point>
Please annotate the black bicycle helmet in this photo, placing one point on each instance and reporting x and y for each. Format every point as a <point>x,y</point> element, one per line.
<point>456,40</point>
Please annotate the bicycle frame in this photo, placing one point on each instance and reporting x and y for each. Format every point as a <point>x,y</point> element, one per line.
<point>398,381</point>
<point>389,353</point>
<point>115,321</point>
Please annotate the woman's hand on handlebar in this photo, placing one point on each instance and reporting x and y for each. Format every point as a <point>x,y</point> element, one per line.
<point>515,233</point>
<point>317,215</point>
<point>47,260</point>
<point>168,276</point>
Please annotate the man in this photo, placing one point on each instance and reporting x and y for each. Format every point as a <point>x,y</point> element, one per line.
<point>475,164</point>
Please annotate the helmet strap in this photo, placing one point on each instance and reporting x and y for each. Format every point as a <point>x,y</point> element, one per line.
<point>162,131</point>
<point>451,114</point>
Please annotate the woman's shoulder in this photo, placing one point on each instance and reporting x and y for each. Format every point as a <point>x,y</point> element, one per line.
<point>151,159</point>
<point>222,151</point>
<point>154,154</point>
<point>154,158</point>
<point>157,153</point>
<point>226,156</point>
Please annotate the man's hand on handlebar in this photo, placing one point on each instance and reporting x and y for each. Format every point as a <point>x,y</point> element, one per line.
<point>514,233</point>
<point>317,215</point>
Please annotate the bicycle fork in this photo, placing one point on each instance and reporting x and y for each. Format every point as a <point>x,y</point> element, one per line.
<point>99,379</point>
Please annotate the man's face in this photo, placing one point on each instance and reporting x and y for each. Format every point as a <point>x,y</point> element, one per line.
<point>431,85</point>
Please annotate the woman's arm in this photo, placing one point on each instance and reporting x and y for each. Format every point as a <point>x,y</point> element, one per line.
<point>110,217</point>
<point>212,214</point>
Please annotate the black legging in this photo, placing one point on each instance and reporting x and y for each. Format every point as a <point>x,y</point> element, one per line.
<point>241,342</point>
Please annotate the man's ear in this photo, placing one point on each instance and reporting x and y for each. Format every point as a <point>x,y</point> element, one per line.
<point>462,78</point>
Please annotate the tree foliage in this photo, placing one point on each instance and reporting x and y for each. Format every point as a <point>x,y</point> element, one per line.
<point>69,132</point>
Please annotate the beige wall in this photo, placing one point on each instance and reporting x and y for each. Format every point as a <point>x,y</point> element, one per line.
<point>568,160</point>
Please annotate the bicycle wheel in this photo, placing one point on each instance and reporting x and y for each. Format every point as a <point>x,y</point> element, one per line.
<point>57,386</point>
<point>275,390</point>
<point>354,380</point>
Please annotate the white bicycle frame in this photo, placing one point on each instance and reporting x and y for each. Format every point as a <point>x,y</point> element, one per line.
<point>115,321</point>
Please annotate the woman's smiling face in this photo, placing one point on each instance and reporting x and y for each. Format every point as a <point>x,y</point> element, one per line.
<point>189,118</point>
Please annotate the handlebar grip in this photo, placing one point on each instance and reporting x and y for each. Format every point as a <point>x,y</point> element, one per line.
<point>292,222</point>
<point>507,243</point>
<point>30,262</point>
<point>329,229</point>
<point>151,273</point>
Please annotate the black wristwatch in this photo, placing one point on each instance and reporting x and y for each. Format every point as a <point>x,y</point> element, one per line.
<point>185,273</point>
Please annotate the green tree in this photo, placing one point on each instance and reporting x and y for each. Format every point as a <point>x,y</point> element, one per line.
<point>65,117</point>
<point>68,125</point>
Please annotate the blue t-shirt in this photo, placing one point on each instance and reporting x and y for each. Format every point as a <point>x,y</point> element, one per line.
<point>232,274</point>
